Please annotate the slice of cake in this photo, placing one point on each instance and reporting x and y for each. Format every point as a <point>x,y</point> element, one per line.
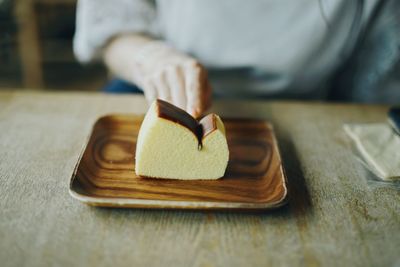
<point>172,144</point>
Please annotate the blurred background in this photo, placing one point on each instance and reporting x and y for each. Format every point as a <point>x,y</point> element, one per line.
<point>36,48</point>
<point>36,53</point>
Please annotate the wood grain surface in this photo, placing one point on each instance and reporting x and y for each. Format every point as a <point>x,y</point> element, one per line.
<point>335,215</point>
<point>254,178</point>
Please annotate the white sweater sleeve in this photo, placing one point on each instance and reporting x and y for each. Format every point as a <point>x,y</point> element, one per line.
<point>99,20</point>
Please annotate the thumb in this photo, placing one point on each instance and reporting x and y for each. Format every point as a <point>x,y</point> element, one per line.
<point>198,90</point>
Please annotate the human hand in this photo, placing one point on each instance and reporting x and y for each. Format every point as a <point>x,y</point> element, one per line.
<point>165,73</point>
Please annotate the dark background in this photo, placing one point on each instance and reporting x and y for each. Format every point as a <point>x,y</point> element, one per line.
<point>36,47</point>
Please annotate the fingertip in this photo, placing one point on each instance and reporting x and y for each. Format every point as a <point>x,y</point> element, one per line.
<point>176,83</point>
<point>196,112</point>
<point>150,92</point>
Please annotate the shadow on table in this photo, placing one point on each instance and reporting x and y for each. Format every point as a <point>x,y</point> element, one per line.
<point>298,194</point>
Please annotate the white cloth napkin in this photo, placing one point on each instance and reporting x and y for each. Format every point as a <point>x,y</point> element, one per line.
<point>379,147</point>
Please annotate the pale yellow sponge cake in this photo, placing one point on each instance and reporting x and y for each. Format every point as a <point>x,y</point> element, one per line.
<point>172,144</point>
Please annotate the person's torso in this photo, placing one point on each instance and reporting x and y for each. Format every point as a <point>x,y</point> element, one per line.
<point>268,47</point>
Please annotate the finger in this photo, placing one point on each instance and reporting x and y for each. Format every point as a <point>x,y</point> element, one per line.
<point>149,90</point>
<point>207,96</point>
<point>176,84</point>
<point>195,89</point>
<point>162,87</point>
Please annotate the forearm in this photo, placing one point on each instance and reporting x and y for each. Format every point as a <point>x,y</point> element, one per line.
<point>119,55</point>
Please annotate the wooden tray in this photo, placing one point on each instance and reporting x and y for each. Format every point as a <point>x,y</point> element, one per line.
<point>105,176</point>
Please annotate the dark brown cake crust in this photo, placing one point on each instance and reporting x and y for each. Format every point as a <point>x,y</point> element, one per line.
<point>172,113</point>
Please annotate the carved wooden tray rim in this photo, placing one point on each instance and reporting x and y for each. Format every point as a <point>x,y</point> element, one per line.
<point>80,194</point>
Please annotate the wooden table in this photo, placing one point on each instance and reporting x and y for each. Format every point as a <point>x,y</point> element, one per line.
<point>334,218</point>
